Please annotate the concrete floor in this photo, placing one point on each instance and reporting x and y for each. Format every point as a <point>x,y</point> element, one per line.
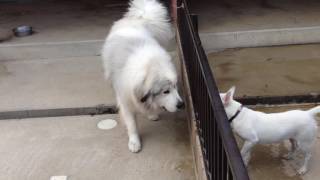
<point>59,67</point>
<point>59,21</point>
<point>251,23</point>
<point>36,149</point>
<point>242,15</point>
<point>268,71</point>
<point>271,71</point>
<point>53,83</point>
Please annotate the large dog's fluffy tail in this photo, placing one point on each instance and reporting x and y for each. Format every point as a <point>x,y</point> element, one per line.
<point>147,9</point>
<point>314,111</point>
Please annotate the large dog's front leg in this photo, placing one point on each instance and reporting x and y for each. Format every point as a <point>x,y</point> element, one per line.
<point>128,117</point>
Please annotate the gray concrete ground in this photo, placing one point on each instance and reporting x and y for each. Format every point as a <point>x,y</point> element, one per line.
<point>251,23</point>
<point>268,71</point>
<point>60,21</point>
<point>59,67</point>
<point>53,83</point>
<point>237,15</point>
<point>36,149</point>
<point>272,71</point>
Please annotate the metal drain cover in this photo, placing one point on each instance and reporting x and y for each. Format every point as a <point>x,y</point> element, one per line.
<point>58,178</point>
<point>107,124</point>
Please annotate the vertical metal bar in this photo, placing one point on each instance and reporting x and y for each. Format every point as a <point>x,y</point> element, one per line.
<point>221,155</point>
<point>194,19</point>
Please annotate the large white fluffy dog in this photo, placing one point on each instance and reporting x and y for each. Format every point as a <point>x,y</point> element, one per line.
<point>142,74</point>
<point>257,127</point>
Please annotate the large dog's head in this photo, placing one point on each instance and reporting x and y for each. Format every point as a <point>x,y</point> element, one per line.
<point>163,94</point>
<point>158,89</point>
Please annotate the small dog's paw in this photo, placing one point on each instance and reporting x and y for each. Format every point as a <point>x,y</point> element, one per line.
<point>153,117</point>
<point>288,156</point>
<point>302,170</point>
<point>134,144</point>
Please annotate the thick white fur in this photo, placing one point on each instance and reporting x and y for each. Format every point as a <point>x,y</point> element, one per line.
<point>143,77</point>
<point>257,127</point>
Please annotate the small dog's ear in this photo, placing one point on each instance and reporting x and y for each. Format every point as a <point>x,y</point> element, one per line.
<point>229,95</point>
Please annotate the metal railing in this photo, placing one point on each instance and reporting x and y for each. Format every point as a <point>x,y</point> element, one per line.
<point>221,155</point>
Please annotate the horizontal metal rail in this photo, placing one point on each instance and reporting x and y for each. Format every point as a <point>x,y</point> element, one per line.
<point>220,152</point>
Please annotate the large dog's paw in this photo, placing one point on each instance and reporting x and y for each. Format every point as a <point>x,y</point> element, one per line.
<point>134,144</point>
<point>153,117</point>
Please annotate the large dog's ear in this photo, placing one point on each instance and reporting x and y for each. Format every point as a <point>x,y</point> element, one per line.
<point>142,89</point>
<point>142,93</point>
<point>229,95</point>
<point>148,89</point>
<point>145,97</point>
<point>150,86</point>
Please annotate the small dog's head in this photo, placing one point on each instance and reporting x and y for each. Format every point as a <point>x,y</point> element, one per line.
<point>230,105</point>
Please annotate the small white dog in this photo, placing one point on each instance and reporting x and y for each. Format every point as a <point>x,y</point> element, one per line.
<point>143,77</point>
<point>257,127</point>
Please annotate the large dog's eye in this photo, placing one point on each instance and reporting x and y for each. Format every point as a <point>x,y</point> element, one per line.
<point>166,92</point>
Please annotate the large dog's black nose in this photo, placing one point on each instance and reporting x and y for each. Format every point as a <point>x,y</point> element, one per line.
<point>180,105</point>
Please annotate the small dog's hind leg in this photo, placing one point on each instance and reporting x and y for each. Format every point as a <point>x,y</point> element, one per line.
<point>293,151</point>
<point>304,167</point>
<point>128,117</point>
<point>305,147</point>
<point>246,151</point>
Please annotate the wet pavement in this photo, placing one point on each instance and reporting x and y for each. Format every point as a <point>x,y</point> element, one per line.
<point>268,71</point>
<point>272,71</point>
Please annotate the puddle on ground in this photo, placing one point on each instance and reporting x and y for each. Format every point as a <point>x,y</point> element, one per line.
<point>282,70</point>
<point>267,163</point>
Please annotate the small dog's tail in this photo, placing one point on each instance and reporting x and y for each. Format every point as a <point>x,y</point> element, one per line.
<point>147,9</point>
<point>314,111</point>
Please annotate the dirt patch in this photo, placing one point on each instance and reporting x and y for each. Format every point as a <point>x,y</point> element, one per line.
<point>3,70</point>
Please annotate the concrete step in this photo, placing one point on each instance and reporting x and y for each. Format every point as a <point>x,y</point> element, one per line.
<point>233,23</point>
<point>36,149</point>
<point>48,50</point>
<point>53,83</point>
<point>258,38</point>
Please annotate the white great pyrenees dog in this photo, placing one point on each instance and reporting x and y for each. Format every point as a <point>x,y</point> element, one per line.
<point>141,71</point>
